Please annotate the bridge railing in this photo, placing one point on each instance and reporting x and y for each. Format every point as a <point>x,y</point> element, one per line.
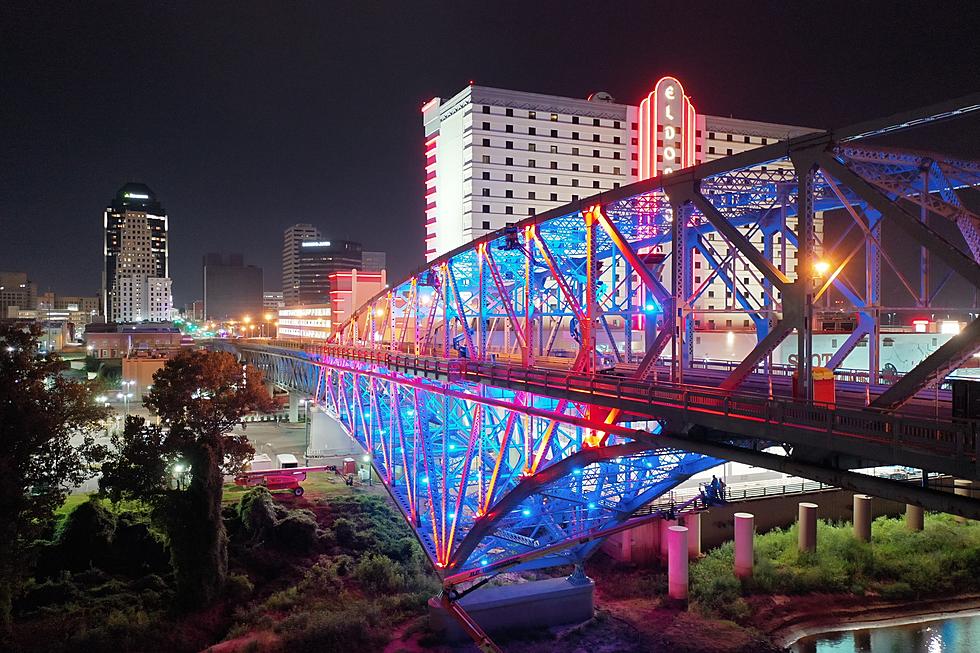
<point>893,429</point>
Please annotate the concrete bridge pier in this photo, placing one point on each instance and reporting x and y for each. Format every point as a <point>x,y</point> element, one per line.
<point>862,517</point>
<point>665,525</point>
<point>914,517</point>
<point>294,400</point>
<point>962,488</point>
<point>677,563</point>
<point>692,521</point>
<point>808,527</point>
<point>744,536</point>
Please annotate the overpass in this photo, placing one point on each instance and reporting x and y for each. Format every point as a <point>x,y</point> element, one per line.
<point>523,395</point>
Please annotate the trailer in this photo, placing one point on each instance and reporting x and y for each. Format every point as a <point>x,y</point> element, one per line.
<point>281,479</point>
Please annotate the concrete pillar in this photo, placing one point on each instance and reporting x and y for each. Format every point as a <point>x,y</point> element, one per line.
<point>862,517</point>
<point>808,527</point>
<point>914,517</point>
<point>677,556</point>
<point>664,525</point>
<point>293,408</point>
<point>692,521</point>
<point>962,488</point>
<point>744,534</point>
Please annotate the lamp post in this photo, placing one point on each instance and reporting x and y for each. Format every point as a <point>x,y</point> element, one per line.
<point>367,460</point>
<point>104,401</point>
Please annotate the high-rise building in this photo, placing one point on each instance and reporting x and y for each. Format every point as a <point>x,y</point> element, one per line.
<point>317,260</point>
<point>373,261</point>
<point>272,301</point>
<point>16,290</point>
<point>292,241</point>
<point>135,281</point>
<point>232,289</point>
<point>494,157</point>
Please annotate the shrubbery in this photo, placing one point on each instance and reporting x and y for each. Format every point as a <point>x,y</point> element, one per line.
<point>897,564</point>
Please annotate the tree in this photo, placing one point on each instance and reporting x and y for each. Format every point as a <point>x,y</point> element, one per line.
<point>41,413</point>
<point>179,467</point>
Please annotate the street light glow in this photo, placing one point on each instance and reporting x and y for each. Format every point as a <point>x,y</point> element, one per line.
<point>821,268</point>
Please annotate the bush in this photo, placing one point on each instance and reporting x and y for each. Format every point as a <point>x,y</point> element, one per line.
<point>379,574</point>
<point>86,535</point>
<point>297,532</point>
<point>238,587</point>
<point>341,630</point>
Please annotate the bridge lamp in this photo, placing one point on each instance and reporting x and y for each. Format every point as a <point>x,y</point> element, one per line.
<point>268,316</point>
<point>821,268</point>
<point>591,505</point>
<point>649,308</point>
<point>526,512</point>
<point>366,458</point>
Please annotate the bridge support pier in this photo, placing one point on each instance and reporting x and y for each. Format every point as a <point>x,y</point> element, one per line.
<point>677,563</point>
<point>293,407</point>
<point>692,521</point>
<point>962,488</point>
<point>914,517</point>
<point>862,517</point>
<point>808,527</point>
<point>744,536</point>
<point>665,525</point>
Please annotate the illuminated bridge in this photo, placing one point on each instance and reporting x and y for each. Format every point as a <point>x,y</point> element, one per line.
<point>524,395</point>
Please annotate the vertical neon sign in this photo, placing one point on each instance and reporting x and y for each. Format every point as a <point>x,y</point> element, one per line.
<point>667,130</point>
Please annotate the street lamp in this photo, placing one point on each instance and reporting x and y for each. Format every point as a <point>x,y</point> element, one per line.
<point>367,460</point>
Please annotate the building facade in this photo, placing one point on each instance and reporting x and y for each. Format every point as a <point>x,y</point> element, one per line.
<point>232,289</point>
<point>119,340</point>
<point>16,290</point>
<point>272,301</point>
<point>373,261</point>
<point>350,289</point>
<point>136,284</point>
<point>292,241</point>
<point>494,157</point>
<point>307,323</point>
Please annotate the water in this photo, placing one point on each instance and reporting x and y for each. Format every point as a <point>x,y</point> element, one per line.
<point>952,635</point>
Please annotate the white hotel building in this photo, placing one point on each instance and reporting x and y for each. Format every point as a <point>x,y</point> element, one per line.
<point>494,156</point>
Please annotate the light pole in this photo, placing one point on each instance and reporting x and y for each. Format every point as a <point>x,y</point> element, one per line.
<point>104,401</point>
<point>367,460</point>
<point>308,402</point>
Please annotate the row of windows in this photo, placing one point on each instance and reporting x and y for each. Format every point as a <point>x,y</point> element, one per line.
<point>575,136</point>
<point>731,137</point>
<point>533,115</point>
<point>553,165</point>
<point>533,179</point>
<point>533,147</point>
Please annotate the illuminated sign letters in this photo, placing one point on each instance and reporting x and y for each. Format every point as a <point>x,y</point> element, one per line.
<point>667,130</point>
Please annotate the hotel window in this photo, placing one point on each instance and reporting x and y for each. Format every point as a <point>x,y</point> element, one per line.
<point>615,124</point>
<point>765,141</point>
<point>634,172</point>
<point>486,224</point>
<point>634,126</point>
<point>574,151</point>
<point>509,176</point>
<point>574,198</point>
<point>595,138</point>
<point>595,184</point>
<point>554,149</point>
<point>554,133</point>
<point>508,193</point>
<point>532,114</point>
<point>509,129</point>
<point>532,147</point>
<point>486,208</point>
<point>711,149</point>
<point>554,197</point>
<point>554,181</point>
<point>574,120</point>
<point>509,210</point>
<point>531,179</point>
<point>711,135</point>
<point>595,168</point>
<point>729,151</point>
<point>486,142</point>
<point>616,140</point>
<point>617,171</point>
<point>486,192</point>
<point>532,131</point>
<point>595,154</point>
<point>486,158</point>
<point>554,165</point>
<point>574,167</point>
<point>574,136</point>
<point>509,145</point>
<point>575,182</point>
<point>531,163</point>
<point>595,122</point>
<point>510,112</point>
<point>615,184</point>
<point>530,211</point>
<point>615,155</point>
<point>729,138</point>
<point>486,126</point>
<point>554,117</point>
<point>531,195</point>
<point>748,140</point>
<point>509,161</point>
<point>486,109</point>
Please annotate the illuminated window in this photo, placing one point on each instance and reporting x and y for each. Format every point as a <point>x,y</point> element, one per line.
<point>554,149</point>
<point>554,117</point>
<point>532,115</point>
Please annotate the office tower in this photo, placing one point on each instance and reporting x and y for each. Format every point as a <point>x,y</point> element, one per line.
<point>373,261</point>
<point>16,290</point>
<point>232,289</point>
<point>136,285</point>
<point>293,238</point>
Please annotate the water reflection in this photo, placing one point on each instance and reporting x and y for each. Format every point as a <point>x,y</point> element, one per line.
<point>956,635</point>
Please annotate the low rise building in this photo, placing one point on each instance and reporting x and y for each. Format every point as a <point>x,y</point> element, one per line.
<point>113,340</point>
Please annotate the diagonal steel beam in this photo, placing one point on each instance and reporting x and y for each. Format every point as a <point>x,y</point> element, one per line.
<point>776,335</point>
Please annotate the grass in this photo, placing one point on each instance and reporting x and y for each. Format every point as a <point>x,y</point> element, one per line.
<point>899,564</point>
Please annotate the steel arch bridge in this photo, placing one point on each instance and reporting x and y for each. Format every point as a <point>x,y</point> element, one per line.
<point>523,395</point>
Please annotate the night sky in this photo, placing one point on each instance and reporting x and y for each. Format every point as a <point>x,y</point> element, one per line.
<point>248,117</point>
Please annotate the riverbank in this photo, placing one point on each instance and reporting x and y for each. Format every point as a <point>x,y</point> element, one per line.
<point>786,619</point>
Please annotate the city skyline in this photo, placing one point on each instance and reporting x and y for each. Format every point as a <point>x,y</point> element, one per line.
<point>243,149</point>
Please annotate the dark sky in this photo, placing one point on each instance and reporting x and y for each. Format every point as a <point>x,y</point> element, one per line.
<point>247,117</point>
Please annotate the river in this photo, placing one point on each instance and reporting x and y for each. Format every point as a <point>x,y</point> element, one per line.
<point>948,635</point>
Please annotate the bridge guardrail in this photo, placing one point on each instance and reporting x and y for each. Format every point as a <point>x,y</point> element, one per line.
<point>945,438</point>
